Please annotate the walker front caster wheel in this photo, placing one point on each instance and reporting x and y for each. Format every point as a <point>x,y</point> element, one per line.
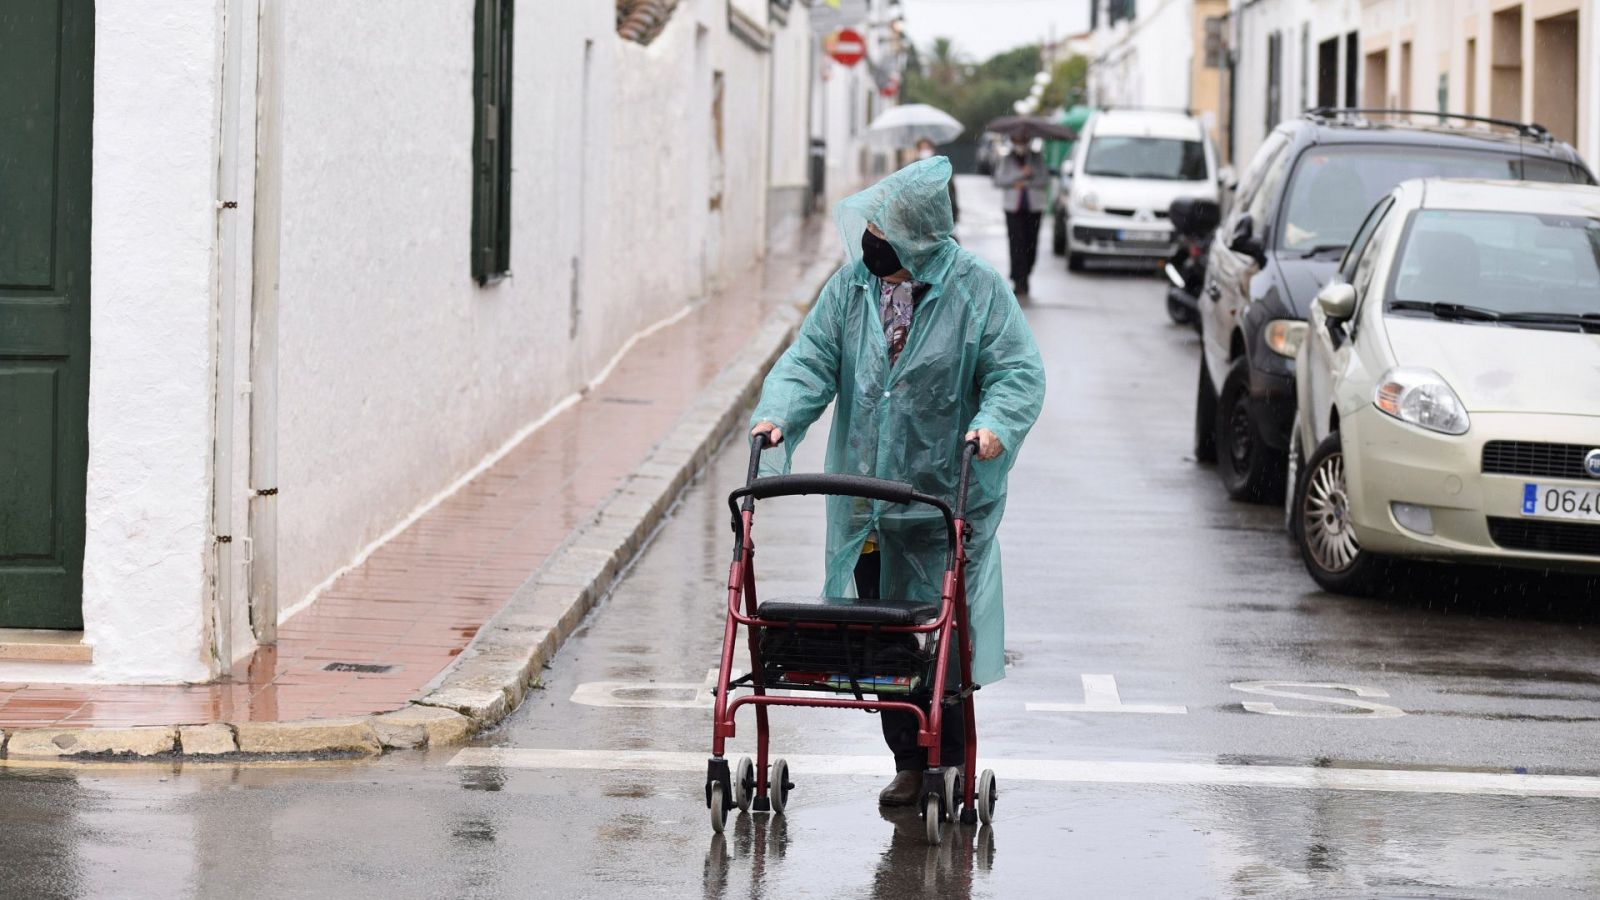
<point>952,793</point>
<point>744,783</point>
<point>719,808</point>
<point>933,819</point>
<point>778,786</point>
<point>988,793</point>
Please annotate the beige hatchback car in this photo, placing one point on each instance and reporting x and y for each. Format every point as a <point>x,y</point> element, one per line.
<point>1449,386</point>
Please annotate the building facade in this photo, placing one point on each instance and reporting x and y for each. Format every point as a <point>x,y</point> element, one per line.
<point>1523,60</point>
<point>1288,56</point>
<point>293,271</point>
<point>1153,54</point>
<point>847,98</point>
<point>1520,60</point>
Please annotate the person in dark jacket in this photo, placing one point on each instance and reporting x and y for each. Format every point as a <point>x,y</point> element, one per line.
<point>1025,180</point>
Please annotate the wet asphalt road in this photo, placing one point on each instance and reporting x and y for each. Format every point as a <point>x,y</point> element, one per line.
<point>1123,559</point>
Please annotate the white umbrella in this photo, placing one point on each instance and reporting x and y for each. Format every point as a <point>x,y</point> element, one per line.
<point>902,126</point>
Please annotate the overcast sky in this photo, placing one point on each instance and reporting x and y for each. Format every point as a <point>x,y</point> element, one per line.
<point>982,28</point>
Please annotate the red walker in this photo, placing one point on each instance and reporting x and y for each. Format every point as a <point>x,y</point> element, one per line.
<point>840,646</point>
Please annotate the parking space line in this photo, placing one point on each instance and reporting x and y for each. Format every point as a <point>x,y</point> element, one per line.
<point>1100,695</point>
<point>1417,781</point>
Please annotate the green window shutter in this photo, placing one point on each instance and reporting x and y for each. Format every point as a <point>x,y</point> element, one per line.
<point>491,142</point>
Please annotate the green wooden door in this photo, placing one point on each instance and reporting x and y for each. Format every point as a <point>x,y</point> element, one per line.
<point>46,93</point>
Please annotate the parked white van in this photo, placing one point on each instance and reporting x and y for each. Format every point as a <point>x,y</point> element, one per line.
<point>1127,168</point>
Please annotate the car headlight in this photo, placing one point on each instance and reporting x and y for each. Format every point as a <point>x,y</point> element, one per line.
<point>1421,397</point>
<point>1087,200</point>
<point>1284,336</point>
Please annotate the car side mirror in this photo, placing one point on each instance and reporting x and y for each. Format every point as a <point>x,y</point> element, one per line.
<point>1066,168</point>
<point>1244,241</point>
<point>1337,300</point>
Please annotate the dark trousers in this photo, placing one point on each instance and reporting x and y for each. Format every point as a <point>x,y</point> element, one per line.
<point>1023,230</point>
<point>899,726</point>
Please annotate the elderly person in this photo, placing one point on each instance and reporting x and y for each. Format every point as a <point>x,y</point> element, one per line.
<point>920,346</point>
<point>1024,179</point>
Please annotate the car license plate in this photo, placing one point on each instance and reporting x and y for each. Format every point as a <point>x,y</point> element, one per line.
<point>1132,235</point>
<point>1551,501</point>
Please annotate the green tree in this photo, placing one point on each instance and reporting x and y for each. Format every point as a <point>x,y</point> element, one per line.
<point>1016,64</point>
<point>944,68</point>
<point>1069,83</point>
<point>973,94</point>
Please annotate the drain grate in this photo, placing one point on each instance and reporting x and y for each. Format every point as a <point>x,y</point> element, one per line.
<point>365,668</point>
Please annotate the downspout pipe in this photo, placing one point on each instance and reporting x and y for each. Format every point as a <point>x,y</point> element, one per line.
<point>225,540</point>
<point>264,326</point>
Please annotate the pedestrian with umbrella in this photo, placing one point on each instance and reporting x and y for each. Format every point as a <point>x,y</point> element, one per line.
<point>1024,178</point>
<point>922,125</point>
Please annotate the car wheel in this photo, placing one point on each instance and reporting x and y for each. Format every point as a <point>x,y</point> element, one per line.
<point>1205,417</point>
<point>1249,469</point>
<point>1074,262</point>
<point>1058,235</point>
<point>1324,528</point>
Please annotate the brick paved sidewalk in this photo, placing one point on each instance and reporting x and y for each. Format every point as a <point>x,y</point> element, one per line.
<point>417,601</point>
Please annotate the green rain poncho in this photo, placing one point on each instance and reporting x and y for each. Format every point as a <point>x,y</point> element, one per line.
<point>969,362</point>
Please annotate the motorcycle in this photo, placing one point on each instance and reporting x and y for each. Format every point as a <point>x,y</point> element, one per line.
<point>1193,221</point>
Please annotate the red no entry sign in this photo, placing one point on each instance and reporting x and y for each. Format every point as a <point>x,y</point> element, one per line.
<point>847,47</point>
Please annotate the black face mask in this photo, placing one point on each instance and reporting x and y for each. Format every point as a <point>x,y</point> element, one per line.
<point>879,255</point>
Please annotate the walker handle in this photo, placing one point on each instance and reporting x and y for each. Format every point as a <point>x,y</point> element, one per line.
<point>968,451</point>
<point>758,443</point>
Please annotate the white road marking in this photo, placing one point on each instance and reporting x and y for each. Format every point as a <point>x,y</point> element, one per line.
<point>1276,689</point>
<point>648,694</point>
<point>1100,696</point>
<point>655,694</point>
<point>1416,781</point>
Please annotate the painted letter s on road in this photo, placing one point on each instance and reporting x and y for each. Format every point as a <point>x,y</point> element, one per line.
<point>1367,710</point>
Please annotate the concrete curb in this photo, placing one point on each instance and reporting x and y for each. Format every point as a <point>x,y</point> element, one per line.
<point>496,670</point>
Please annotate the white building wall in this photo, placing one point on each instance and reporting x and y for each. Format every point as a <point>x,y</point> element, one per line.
<point>845,98</point>
<point>1304,25</point>
<point>398,372</point>
<point>746,137</point>
<point>1145,61</point>
<point>850,98</point>
<point>789,169</point>
<point>1438,31</point>
<point>150,363</point>
<point>1589,113</point>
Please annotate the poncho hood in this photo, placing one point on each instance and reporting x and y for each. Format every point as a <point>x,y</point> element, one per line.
<point>912,209</point>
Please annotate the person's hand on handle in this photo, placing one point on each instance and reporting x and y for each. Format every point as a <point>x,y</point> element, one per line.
<point>989,446</point>
<point>774,433</point>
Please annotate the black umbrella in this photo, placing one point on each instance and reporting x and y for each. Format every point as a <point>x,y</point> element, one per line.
<point>1026,128</point>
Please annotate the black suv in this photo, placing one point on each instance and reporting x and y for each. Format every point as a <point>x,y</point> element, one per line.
<point>1286,225</point>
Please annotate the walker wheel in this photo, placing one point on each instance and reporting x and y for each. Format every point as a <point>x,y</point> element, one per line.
<point>931,819</point>
<point>719,808</point>
<point>952,793</point>
<point>744,783</point>
<point>988,793</point>
<point>778,785</point>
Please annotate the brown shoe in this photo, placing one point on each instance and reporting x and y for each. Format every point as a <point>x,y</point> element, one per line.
<point>903,790</point>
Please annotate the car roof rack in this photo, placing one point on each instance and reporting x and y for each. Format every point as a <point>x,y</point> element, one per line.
<point>1531,130</point>
<point>1131,107</point>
